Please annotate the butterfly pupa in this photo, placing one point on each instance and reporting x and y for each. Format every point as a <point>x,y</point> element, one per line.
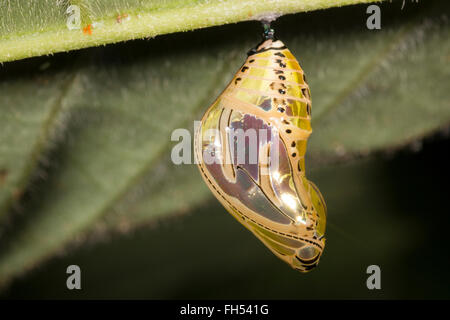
<point>268,101</point>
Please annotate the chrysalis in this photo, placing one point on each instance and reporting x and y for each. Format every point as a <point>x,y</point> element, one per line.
<point>250,150</point>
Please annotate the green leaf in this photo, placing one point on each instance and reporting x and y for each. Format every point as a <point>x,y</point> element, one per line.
<point>42,27</point>
<point>88,133</point>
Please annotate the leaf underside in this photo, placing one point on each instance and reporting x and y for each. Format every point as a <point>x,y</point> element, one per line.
<point>36,28</point>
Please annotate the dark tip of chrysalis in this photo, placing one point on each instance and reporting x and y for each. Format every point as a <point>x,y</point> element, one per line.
<point>268,34</point>
<point>268,31</point>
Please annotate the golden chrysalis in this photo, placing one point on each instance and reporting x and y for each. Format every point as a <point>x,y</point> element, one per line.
<point>268,101</point>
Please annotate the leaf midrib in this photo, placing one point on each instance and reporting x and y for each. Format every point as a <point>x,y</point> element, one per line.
<point>42,142</point>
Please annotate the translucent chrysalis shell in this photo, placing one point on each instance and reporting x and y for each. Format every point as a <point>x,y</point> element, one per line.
<point>269,101</point>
